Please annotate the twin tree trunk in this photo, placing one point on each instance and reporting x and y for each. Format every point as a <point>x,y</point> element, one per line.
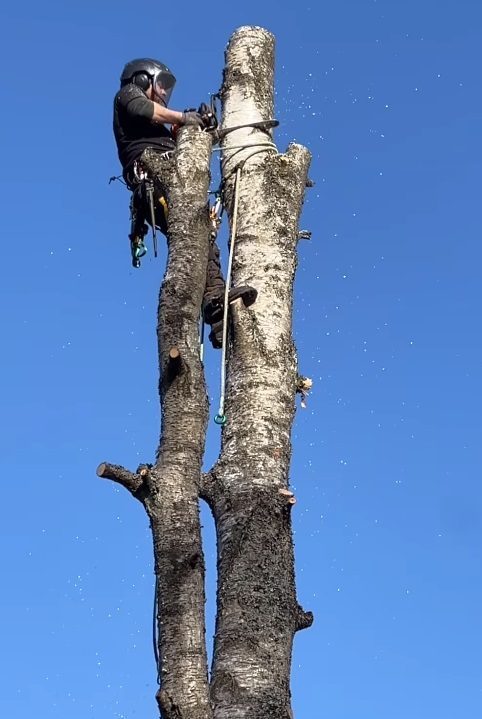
<point>247,489</point>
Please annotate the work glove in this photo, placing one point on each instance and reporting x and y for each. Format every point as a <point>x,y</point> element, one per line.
<point>193,118</point>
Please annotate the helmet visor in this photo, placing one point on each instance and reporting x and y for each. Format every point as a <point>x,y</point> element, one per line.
<point>163,85</point>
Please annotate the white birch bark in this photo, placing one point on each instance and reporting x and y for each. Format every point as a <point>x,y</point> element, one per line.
<point>247,489</point>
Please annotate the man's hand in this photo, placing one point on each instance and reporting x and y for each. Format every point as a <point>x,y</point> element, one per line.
<point>193,118</point>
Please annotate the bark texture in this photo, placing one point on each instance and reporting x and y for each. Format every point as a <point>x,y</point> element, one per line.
<point>258,612</point>
<point>248,488</point>
<point>169,489</point>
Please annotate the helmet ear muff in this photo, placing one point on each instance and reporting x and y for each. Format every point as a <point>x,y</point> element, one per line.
<point>142,80</point>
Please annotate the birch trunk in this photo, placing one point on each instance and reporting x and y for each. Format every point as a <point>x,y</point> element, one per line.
<point>257,609</point>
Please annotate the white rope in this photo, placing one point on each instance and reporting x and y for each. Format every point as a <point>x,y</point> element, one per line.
<point>201,339</point>
<point>220,417</point>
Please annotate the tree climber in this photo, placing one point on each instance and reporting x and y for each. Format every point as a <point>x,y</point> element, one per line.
<point>144,141</point>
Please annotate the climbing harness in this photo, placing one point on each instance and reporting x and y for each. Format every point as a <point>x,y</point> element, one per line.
<point>258,147</point>
<point>143,185</point>
<point>143,207</point>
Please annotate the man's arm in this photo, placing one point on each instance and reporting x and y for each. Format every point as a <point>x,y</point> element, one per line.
<point>136,104</point>
<point>164,114</point>
<point>174,117</point>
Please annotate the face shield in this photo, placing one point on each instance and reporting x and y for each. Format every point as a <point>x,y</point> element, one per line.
<point>163,85</point>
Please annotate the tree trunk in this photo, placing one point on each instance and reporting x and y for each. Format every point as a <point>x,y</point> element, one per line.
<point>169,489</point>
<point>248,488</point>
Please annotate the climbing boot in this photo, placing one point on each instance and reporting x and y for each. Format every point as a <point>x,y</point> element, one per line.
<point>213,307</point>
<point>216,335</point>
<point>247,294</point>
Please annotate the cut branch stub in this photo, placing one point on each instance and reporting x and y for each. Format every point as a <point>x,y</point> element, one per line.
<point>174,364</point>
<point>287,495</point>
<point>304,620</point>
<point>174,357</point>
<point>285,492</point>
<point>121,475</point>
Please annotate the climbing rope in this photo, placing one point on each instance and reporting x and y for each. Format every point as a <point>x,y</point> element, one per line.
<point>201,338</point>
<point>220,417</point>
<point>259,125</point>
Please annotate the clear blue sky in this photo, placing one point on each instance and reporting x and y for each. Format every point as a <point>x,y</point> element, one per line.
<point>387,456</point>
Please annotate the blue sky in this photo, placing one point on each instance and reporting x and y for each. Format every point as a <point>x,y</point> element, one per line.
<point>387,457</point>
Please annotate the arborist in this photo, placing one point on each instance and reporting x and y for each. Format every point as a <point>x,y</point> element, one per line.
<point>140,116</point>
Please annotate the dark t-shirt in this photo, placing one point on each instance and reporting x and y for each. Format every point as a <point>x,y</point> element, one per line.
<point>133,126</point>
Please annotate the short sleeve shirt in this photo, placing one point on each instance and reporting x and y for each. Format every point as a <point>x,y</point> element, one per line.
<point>133,126</point>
